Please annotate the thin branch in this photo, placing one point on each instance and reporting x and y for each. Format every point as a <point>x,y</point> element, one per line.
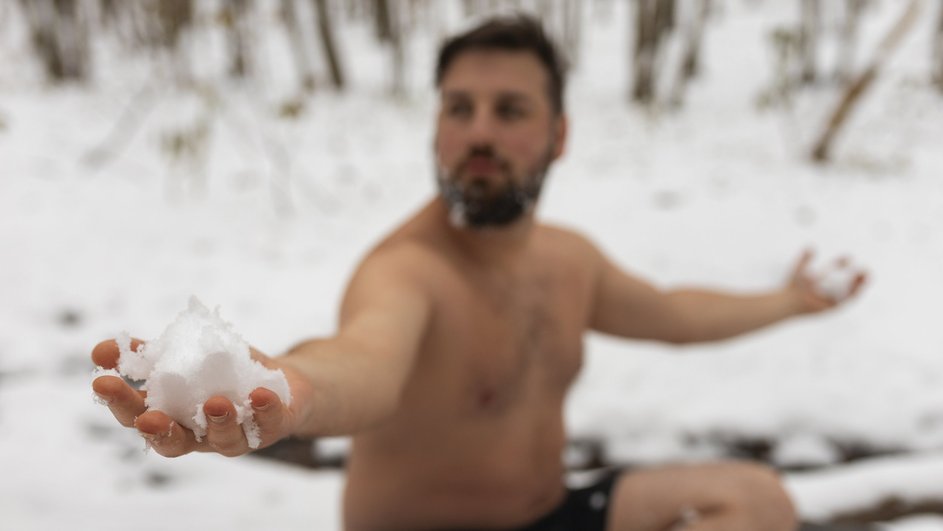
<point>124,129</point>
<point>820,153</point>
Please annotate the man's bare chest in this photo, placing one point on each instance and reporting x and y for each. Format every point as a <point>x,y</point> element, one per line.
<point>506,342</point>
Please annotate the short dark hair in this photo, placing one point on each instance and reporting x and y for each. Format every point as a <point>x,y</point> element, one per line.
<point>511,33</point>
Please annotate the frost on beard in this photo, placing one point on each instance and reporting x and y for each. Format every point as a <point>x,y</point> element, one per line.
<point>196,357</point>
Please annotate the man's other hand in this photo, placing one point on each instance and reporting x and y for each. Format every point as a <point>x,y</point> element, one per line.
<point>818,291</point>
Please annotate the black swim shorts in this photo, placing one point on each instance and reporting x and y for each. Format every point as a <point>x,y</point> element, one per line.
<point>583,509</point>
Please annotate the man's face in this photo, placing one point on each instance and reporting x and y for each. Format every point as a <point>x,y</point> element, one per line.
<point>496,136</point>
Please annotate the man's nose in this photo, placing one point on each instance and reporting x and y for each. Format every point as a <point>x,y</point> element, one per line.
<point>482,128</point>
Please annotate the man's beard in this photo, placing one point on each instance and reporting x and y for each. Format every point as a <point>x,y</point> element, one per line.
<point>480,202</point>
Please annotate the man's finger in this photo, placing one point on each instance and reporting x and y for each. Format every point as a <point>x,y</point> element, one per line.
<point>860,280</point>
<point>223,434</point>
<point>269,414</point>
<point>804,260</point>
<point>165,436</point>
<point>105,354</point>
<point>124,402</point>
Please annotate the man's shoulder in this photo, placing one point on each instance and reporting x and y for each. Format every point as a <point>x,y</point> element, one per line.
<point>402,266</point>
<point>398,247</point>
<point>408,253</point>
<point>567,239</point>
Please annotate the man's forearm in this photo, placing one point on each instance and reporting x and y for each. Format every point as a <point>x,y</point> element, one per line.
<point>710,316</point>
<point>348,390</point>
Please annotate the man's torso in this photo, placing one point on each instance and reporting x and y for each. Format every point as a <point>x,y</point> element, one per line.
<point>478,435</point>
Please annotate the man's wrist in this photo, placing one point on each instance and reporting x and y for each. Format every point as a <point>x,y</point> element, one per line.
<point>794,301</point>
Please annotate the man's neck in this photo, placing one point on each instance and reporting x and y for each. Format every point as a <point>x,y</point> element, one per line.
<point>489,244</point>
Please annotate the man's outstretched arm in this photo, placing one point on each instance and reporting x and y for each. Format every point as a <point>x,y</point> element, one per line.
<point>628,307</point>
<point>339,385</point>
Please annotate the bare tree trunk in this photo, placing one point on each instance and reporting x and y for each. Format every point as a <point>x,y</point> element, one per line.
<point>938,50</point>
<point>655,19</point>
<point>59,32</point>
<point>572,27</point>
<point>820,153</point>
<point>389,31</point>
<point>133,27</point>
<point>664,18</point>
<point>381,10</point>
<point>544,11</point>
<point>849,40</point>
<point>73,38</point>
<point>809,39</point>
<point>108,12</point>
<point>416,14</point>
<point>42,20</point>
<point>469,7</point>
<point>646,36</point>
<point>298,47</point>
<point>690,58</point>
<point>691,61</point>
<point>325,32</point>
<point>399,59</point>
<point>174,18</point>
<point>356,9</point>
<point>235,18</point>
<point>603,9</point>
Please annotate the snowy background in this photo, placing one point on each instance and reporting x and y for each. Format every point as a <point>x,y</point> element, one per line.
<point>269,223</point>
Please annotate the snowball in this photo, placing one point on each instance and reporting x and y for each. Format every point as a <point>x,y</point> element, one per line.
<point>835,282</point>
<point>199,356</point>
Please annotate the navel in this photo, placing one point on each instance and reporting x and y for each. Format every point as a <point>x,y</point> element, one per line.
<point>486,398</point>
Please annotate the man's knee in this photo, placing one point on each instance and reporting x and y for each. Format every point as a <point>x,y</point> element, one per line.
<point>758,492</point>
<point>729,495</point>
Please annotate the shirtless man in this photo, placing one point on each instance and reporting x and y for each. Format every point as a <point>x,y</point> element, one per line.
<point>462,331</point>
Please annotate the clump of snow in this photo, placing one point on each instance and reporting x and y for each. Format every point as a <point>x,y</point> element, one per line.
<point>822,495</point>
<point>804,450</point>
<point>835,281</point>
<point>196,357</point>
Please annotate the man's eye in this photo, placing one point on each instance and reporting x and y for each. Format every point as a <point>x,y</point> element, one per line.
<point>458,109</point>
<point>510,112</point>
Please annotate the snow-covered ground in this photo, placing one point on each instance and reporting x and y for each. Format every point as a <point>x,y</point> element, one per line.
<point>718,194</point>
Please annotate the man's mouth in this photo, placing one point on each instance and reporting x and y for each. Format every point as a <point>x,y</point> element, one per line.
<point>481,165</point>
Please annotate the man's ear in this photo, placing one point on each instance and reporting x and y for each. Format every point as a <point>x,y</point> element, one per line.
<point>560,129</point>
